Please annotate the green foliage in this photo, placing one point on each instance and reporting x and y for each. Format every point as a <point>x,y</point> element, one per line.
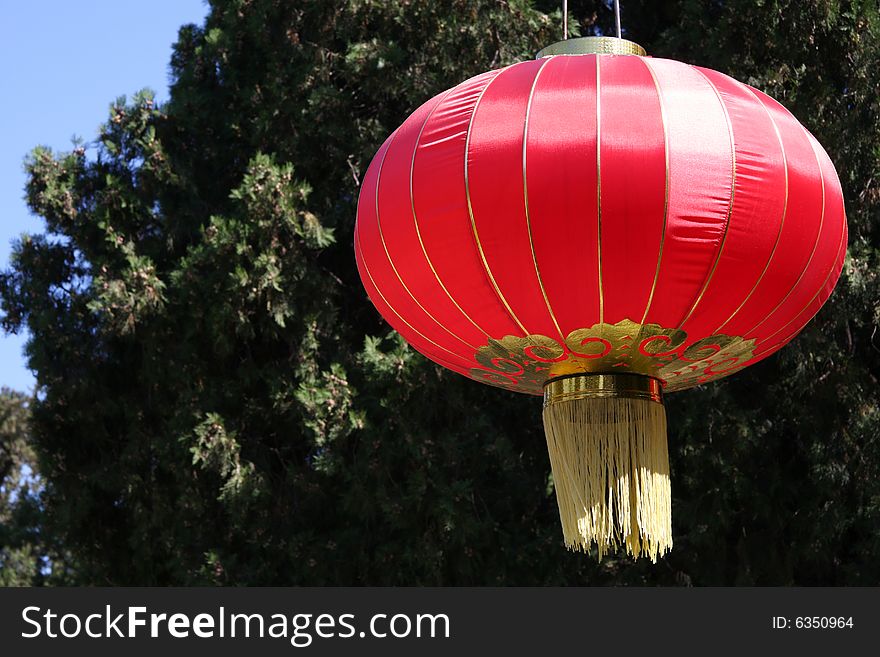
<point>27,556</point>
<point>219,403</point>
<point>19,566</point>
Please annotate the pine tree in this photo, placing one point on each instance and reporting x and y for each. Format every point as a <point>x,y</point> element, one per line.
<point>219,403</point>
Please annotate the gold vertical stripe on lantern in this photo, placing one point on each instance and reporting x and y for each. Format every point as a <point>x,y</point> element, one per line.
<point>606,435</point>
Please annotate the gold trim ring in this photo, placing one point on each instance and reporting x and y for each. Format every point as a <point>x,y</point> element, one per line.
<point>594,45</point>
<point>594,386</point>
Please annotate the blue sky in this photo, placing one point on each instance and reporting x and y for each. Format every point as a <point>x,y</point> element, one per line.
<point>62,62</point>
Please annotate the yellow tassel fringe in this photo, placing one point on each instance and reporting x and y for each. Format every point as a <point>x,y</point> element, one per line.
<point>611,473</point>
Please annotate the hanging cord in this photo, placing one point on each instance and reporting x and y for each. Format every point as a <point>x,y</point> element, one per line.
<point>617,16</point>
<point>564,19</point>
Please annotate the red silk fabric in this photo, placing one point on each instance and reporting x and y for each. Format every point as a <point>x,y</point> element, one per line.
<point>556,194</point>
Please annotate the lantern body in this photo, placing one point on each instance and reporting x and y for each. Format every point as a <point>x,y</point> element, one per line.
<point>599,213</point>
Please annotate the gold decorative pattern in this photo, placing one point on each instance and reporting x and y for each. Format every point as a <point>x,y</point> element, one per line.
<point>524,364</point>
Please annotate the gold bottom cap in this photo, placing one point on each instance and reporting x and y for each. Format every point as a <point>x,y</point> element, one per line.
<point>594,386</point>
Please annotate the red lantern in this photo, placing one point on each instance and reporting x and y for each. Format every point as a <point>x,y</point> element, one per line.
<point>601,229</point>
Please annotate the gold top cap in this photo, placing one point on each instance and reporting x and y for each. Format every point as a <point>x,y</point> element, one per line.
<point>601,45</point>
